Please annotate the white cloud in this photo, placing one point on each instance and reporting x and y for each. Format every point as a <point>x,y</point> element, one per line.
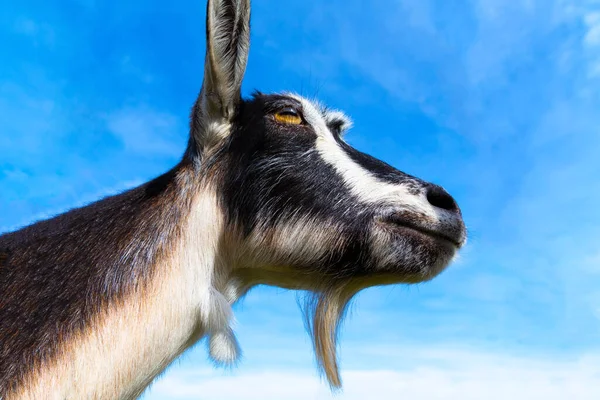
<point>32,123</point>
<point>591,264</point>
<point>592,36</point>
<point>594,70</point>
<point>39,32</point>
<point>419,15</point>
<point>26,26</point>
<point>435,374</point>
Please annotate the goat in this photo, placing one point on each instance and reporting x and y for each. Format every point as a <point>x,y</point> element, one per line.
<point>96,302</point>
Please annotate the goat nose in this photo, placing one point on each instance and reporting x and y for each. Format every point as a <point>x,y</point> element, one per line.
<point>438,197</point>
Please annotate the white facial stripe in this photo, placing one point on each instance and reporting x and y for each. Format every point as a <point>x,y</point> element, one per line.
<point>364,185</point>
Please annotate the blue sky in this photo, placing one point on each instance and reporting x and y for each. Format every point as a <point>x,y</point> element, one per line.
<point>495,100</point>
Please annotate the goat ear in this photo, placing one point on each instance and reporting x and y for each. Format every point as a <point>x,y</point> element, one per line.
<point>227,44</point>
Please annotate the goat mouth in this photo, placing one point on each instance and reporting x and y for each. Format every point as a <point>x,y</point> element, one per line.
<point>398,223</point>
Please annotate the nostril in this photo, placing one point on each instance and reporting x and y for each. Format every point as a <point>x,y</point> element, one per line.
<point>438,197</point>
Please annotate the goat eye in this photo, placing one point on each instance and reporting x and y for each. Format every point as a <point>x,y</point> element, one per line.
<point>289,116</point>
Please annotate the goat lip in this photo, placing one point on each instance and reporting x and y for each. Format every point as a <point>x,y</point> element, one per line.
<point>398,222</point>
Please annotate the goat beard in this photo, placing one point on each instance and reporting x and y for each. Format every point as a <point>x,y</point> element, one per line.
<point>324,311</point>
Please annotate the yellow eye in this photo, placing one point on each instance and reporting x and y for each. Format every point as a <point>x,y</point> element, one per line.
<point>288,116</point>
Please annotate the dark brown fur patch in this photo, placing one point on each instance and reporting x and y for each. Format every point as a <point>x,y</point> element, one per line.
<point>3,257</point>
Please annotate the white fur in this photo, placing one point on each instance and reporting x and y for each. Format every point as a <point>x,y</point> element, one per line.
<point>299,239</point>
<point>217,130</point>
<point>223,347</point>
